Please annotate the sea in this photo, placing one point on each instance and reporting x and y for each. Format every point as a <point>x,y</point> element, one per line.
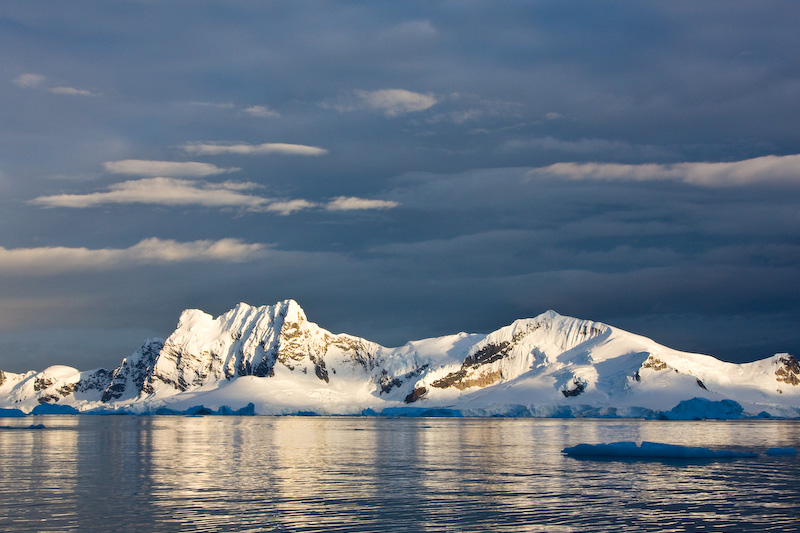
<point>370,474</point>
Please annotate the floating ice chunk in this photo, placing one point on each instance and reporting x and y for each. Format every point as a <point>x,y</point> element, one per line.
<point>54,409</point>
<point>651,450</point>
<point>702,408</point>
<point>11,413</point>
<point>781,451</point>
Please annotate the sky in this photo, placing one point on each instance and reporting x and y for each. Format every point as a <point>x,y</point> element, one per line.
<point>401,169</point>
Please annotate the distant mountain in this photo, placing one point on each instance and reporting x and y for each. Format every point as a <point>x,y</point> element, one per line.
<point>275,359</point>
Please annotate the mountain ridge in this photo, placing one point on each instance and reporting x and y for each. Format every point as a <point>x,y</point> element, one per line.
<point>274,358</point>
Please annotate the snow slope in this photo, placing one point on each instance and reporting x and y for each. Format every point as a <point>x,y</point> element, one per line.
<point>550,365</point>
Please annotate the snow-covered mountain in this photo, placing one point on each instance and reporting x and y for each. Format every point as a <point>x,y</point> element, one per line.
<point>275,359</point>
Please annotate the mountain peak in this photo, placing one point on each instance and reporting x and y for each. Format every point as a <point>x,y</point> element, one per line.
<point>291,311</point>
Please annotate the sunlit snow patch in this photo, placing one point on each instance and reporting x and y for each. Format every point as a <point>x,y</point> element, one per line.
<point>651,450</point>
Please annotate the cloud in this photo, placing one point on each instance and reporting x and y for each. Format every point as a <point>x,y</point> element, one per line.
<point>140,167</point>
<point>175,192</point>
<point>351,203</point>
<point>766,169</point>
<point>29,80</point>
<point>261,111</point>
<point>395,102</point>
<point>290,206</point>
<point>392,102</point>
<point>152,251</point>
<point>163,191</point>
<point>71,91</point>
<point>253,149</point>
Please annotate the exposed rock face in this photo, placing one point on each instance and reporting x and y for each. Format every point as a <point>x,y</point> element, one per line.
<point>94,381</point>
<point>2,378</point>
<point>655,363</point>
<point>575,389</point>
<point>416,394</point>
<point>42,383</point>
<point>131,375</point>
<point>789,370</point>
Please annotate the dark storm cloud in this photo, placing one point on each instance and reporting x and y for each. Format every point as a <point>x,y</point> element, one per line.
<point>402,169</point>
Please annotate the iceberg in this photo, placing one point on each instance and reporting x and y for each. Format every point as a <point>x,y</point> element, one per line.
<point>704,409</point>
<point>50,409</point>
<point>781,451</point>
<point>651,450</point>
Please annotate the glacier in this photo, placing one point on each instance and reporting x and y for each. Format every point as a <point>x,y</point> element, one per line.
<point>271,360</point>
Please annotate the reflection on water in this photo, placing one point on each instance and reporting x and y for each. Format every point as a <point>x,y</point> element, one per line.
<point>371,474</point>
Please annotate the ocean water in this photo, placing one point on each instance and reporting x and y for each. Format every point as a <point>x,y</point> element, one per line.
<point>172,473</point>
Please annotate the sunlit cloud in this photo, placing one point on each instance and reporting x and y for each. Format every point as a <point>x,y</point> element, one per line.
<point>290,206</point>
<point>261,111</point>
<point>766,169</point>
<point>141,167</point>
<point>391,102</point>
<point>163,191</point>
<point>394,102</point>
<point>351,203</point>
<point>153,251</point>
<point>253,149</point>
<point>71,91</point>
<point>160,191</point>
<point>29,80</point>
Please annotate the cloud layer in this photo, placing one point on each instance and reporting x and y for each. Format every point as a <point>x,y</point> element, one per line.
<point>180,192</point>
<point>140,167</point>
<point>254,149</point>
<point>60,260</point>
<point>163,191</point>
<point>766,169</point>
<point>627,162</point>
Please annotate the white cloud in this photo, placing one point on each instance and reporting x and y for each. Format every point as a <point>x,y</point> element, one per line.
<point>395,102</point>
<point>59,259</point>
<point>261,111</point>
<point>162,191</point>
<point>351,203</point>
<point>180,192</point>
<point>766,169</point>
<point>29,80</point>
<point>290,206</point>
<point>253,149</point>
<point>71,91</point>
<point>140,167</point>
<point>392,102</point>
